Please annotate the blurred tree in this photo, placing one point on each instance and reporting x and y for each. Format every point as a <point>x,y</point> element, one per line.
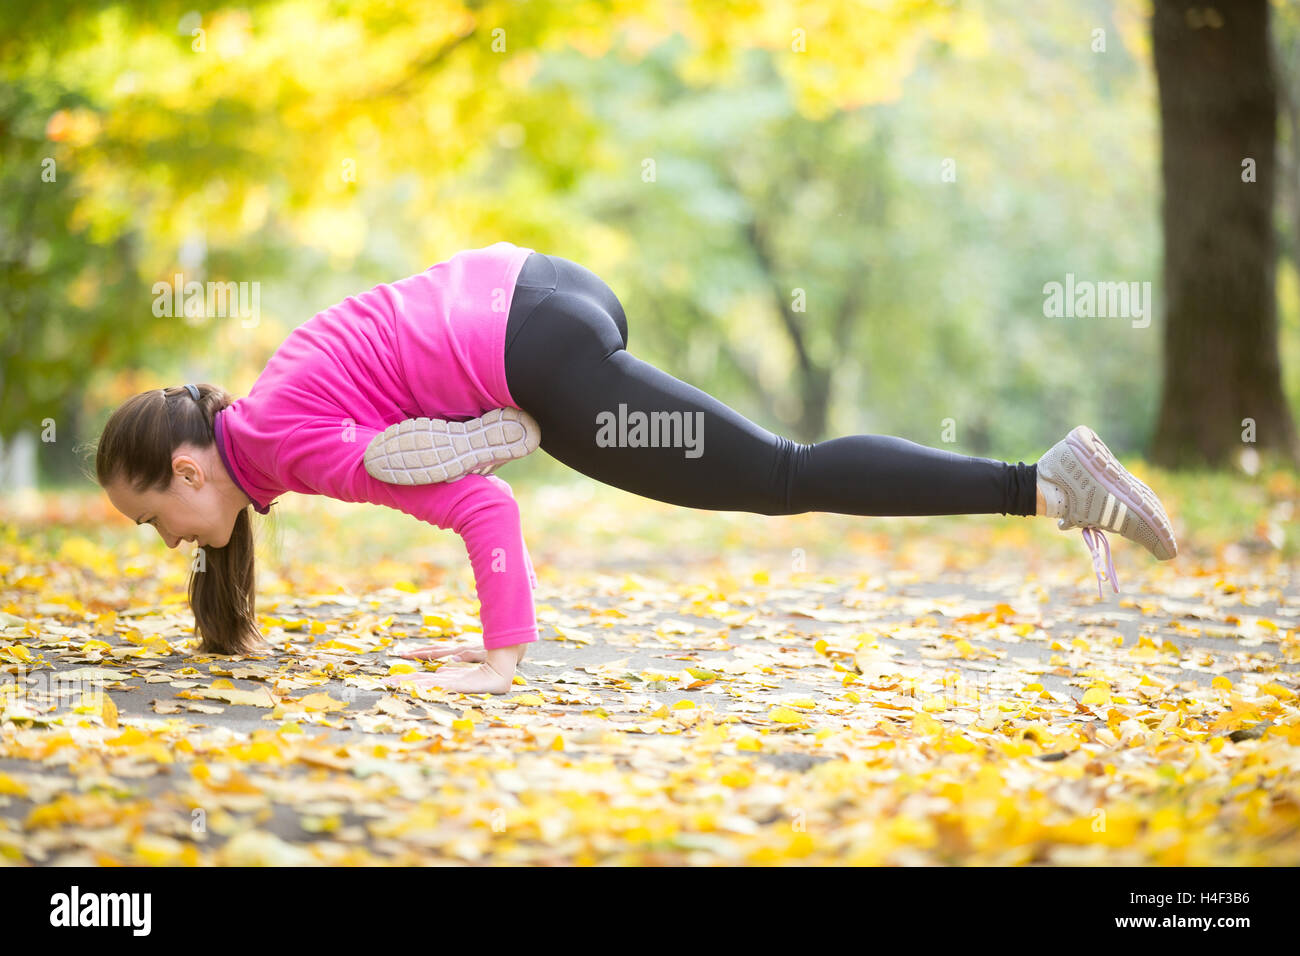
<point>755,234</point>
<point>1286,52</point>
<point>1218,111</point>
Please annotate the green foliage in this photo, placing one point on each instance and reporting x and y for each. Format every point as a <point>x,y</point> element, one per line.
<point>318,148</point>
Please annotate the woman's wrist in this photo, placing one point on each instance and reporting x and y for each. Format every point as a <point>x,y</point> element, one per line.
<point>503,660</point>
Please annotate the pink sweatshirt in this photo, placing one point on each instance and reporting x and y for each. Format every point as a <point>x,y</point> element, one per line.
<point>431,345</point>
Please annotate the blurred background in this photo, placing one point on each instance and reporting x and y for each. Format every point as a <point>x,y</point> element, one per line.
<point>836,217</point>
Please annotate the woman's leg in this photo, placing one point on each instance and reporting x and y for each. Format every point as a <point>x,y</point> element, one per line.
<point>568,366</point>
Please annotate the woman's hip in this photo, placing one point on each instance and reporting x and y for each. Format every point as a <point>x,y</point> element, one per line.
<point>562,316</point>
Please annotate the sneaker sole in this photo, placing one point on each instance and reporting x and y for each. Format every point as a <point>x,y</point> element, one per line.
<point>425,451</point>
<point>1106,470</point>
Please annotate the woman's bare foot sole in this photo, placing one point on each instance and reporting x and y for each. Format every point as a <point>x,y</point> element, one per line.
<point>425,451</point>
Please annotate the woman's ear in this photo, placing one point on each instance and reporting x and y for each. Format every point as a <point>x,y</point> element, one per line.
<point>187,469</point>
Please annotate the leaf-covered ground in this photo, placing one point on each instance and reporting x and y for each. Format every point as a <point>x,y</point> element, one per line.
<point>712,688</point>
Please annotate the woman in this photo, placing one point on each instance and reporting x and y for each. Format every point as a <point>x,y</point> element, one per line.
<point>411,394</point>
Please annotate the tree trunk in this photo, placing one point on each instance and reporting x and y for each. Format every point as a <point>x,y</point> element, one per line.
<point>1218,109</point>
<point>814,405</point>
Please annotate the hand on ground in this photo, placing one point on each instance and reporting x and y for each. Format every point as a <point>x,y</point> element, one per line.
<point>459,652</point>
<point>462,652</point>
<point>479,679</point>
<point>494,674</point>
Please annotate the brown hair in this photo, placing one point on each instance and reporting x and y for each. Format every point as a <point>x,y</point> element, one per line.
<point>137,446</point>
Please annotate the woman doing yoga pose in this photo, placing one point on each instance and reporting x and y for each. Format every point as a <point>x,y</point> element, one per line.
<point>413,393</point>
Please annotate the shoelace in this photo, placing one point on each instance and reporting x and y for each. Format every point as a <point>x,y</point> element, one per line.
<point>1109,570</point>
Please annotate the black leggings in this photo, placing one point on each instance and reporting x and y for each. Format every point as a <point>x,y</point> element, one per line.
<point>568,366</point>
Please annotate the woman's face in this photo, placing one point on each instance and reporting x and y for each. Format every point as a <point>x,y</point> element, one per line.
<point>190,509</point>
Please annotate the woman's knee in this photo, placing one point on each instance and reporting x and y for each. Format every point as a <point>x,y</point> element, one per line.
<point>780,492</point>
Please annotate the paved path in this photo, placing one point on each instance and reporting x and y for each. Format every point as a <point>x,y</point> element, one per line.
<point>733,717</point>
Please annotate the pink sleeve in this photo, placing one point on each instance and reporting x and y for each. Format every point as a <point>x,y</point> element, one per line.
<point>481,509</point>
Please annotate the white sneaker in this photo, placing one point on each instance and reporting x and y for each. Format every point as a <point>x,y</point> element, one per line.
<point>1100,493</point>
<point>425,451</point>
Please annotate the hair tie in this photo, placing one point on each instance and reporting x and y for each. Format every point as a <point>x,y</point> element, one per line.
<point>194,391</point>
